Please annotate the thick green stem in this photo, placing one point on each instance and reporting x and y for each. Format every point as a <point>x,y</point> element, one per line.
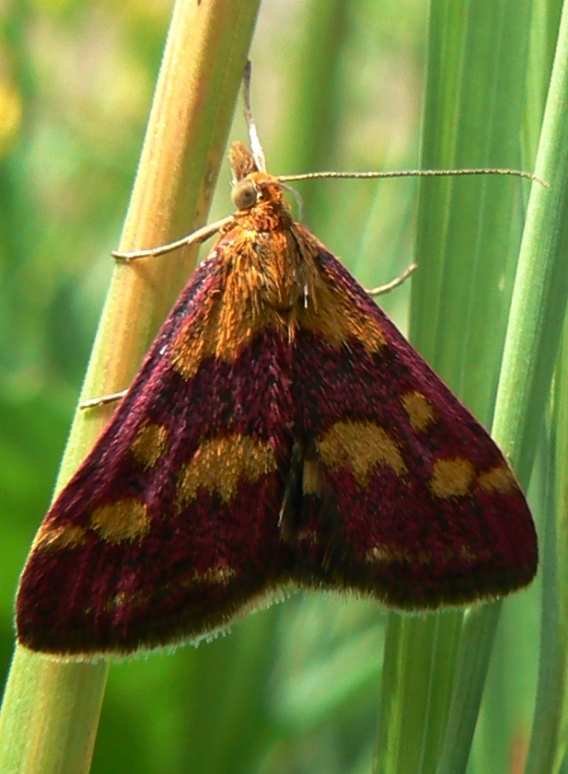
<point>51,708</point>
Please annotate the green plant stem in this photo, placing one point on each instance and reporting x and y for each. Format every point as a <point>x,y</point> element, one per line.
<point>542,313</point>
<point>537,312</point>
<point>538,304</point>
<point>51,708</point>
<point>467,244</point>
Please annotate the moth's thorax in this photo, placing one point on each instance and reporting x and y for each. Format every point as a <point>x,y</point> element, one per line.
<point>272,259</point>
<point>274,279</point>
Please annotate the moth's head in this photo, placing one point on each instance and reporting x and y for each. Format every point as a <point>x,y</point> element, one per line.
<point>250,185</point>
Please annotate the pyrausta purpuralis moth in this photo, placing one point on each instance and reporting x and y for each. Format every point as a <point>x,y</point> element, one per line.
<point>280,433</point>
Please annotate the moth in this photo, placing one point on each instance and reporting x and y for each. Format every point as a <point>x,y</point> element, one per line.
<point>280,433</point>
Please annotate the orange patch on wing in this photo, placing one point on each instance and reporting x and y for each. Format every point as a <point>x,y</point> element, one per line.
<point>193,342</point>
<point>51,538</point>
<point>335,316</point>
<point>420,411</point>
<point>263,287</point>
<point>122,521</point>
<point>220,464</point>
<point>362,447</point>
<point>150,443</point>
<point>271,281</point>
<point>501,479</point>
<point>452,477</point>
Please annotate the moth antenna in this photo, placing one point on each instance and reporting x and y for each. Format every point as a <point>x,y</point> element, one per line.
<point>414,173</point>
<point>255,145</point>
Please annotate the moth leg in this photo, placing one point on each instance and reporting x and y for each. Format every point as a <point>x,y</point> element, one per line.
<point>196,237</point>
<point>382,289</point>
<point>103,400</point>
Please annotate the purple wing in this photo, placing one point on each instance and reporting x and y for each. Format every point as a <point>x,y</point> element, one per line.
<point>244,458</point>
<point>405,496</point>
<point>170,525</point>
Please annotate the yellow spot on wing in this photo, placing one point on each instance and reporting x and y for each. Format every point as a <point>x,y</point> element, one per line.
<point>312,477</point>
<point>335,316</point>
<point>220,464</point>
<point>452,477</point>
<point>361,446</point>
<point>150,443</point>
<point>419,409</point>
<point>50,538</point>
<point>386,554</point>
<point>122,521</point>
<point>220,575</point>
<point>501,479</point>
<point>130,598</point>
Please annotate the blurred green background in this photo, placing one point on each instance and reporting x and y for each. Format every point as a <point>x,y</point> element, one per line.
<point>336,85</point>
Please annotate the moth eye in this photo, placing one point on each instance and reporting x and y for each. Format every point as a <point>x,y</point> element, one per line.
<point>244,195</point>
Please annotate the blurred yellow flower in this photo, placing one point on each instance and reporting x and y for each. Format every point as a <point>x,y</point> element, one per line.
<point>10,115</point>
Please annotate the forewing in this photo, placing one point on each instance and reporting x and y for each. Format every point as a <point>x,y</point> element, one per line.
<point>169,527</point>
<point>405,496</point>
